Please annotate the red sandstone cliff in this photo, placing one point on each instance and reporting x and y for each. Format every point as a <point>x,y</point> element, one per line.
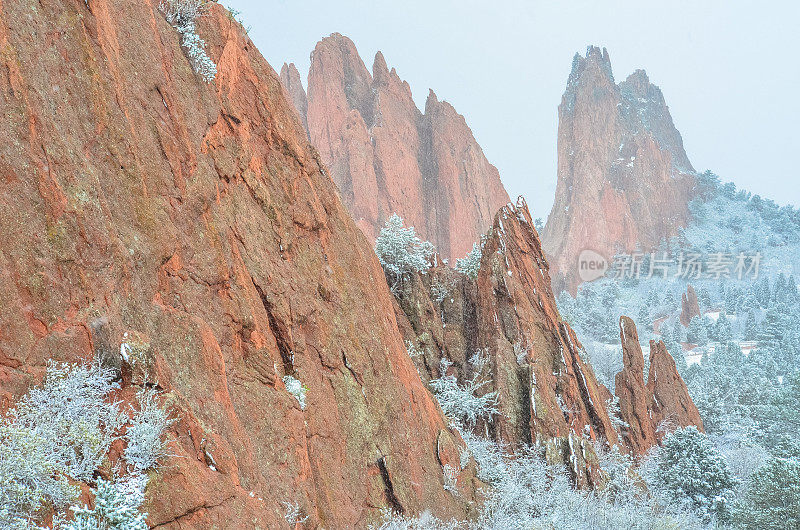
<point>386,156</point>
<point>654,409</point>
<point>136,198</point>
<point>623,176</point>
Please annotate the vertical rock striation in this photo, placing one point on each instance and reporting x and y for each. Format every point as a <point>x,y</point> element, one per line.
<point>624,180</point>
<point>386,156</point>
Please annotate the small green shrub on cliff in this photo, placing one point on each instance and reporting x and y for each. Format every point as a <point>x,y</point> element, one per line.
<point>297,389</point>
<point>463,402</point>
<point>116,507</point>
<point>70,416</point>
<point>146,434</point>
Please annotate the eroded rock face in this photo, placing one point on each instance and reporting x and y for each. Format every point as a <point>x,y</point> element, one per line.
<point>548,395</point>
<point>624,180</point>
<point>690,307</point>
<point>386,156</point>
<point>654,409</point>
<point>196,218</point>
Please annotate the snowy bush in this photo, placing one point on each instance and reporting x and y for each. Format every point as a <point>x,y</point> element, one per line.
<point>182,15</point>
<point>425,521</point>
<point>450,478</point>
<point>62,431</point>
<point>294,514</point>
<point>439,291</point>
<point>30,477</point>
<point>400,251</point>
<point>462,403</point>
<point>297,389</point>
<point>471,263</point>
<point>146,433</point>
<point>71,417</point>
<point>116,507</point>
<point>690,471</point>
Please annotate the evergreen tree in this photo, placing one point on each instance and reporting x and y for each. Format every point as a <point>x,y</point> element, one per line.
<point>691,471</point>
<point>697,333</point>
<point>751,330</point>
<point>704,297</point>
<point>400,251</point>
<point>116,507</point>
<point>722,329</point>
<point>733,299</point>
<point>791,290</point>
<point>643,318</point>
<point>780,289</point>
<point>762,292</point>
<point>652,299</point>
<point>772,500</point>
<point>774,324</point>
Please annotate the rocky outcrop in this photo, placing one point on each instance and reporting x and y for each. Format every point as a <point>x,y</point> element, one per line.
<point>196,218</point>
<point>629,386</point>
<point>548,395</point>
<point>690,307</point>
<point>291,81</point>
<point>386,156</point>
<point>624,180</point>
<point>671,406</point>
<point>651,410</point>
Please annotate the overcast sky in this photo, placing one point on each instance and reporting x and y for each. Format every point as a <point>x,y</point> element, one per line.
<point>729,71</point>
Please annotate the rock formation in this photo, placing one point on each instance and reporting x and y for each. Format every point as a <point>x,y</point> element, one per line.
<point>690,307</point>
<point>654,409</point>
<point>135,198</point>
<point>670,403</point>
<point>290,79</point>
<point>548,395</point>
<point>386,156</point>
<point>624,180</point>
<point>639,433</point>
